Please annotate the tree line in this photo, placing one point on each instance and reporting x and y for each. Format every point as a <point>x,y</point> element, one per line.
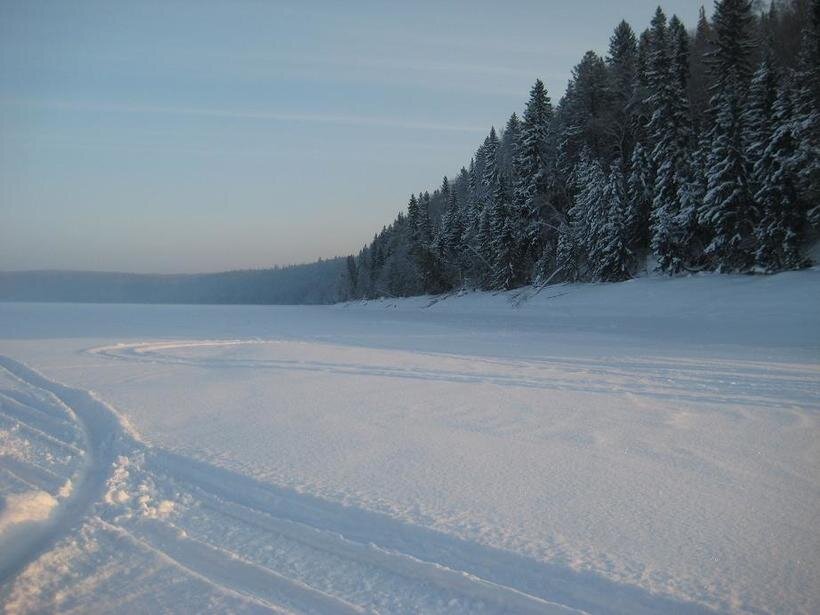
<point>313,283</point>
<point>688,150</point>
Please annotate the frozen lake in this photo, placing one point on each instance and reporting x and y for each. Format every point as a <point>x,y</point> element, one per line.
<point>650,446</point>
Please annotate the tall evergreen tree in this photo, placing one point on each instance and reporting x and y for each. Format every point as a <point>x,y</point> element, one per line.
<point>639,200</point>
<point>424,226</point>
<point>623,65</point>
<point>668,132</point>
<point>733,43</point>
<point>413,216</point>
<point>352,277</point>
<point>503,240</point>
<point>586,111</point>
<point>640,108</point>
<point>759,112</point>
<point>700,78</point>
<point>440,235</point>
<point>728,209</point>
<point>586,214</point>
<point>781,230</point>
<point>806,118</point>
<point>509,147</point>
<point>691,192</point>
<point>611,257</point>
<point>532,168</point>
<point>679,53</point>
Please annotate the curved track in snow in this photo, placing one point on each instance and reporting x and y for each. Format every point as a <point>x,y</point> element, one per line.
<point>753,384</point>
<point>100,429</point>
<point>283,550</point>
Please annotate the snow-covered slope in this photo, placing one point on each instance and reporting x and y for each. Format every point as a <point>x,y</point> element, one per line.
<point>650,446</point>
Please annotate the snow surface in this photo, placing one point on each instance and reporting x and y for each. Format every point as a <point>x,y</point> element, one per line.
<point>650,446</point>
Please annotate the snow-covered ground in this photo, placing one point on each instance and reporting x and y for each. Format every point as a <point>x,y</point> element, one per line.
<point>645,447</point>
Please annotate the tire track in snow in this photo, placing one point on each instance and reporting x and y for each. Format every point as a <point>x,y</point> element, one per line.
<point>504,581</point>
<point>720,382</point>
<point>107,436</point>
<point>236,574</point>
<point>100,428</point>
<point>511,582</point>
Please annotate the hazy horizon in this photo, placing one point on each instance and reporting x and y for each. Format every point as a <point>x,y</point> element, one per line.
<point>180,138</point>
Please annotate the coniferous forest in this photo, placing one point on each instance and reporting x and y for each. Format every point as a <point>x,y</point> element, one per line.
<point>683,150</point>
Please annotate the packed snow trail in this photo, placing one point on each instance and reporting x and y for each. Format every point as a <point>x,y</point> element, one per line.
<point>100,428</point>
<point>750,383</point>
<point>473,576</point>
<point>348,534</point>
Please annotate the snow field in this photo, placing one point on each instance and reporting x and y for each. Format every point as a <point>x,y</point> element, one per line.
<point>643,447</point>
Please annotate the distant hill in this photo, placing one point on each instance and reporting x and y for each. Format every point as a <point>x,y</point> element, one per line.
<point>313,283</point>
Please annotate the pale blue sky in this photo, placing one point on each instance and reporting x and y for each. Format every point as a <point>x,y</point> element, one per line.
<point>200,136</point>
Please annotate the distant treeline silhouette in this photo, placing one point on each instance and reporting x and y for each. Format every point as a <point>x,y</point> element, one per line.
<point>312,283</point>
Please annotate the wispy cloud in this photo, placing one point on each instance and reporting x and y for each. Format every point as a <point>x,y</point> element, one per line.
<point>343,120</point>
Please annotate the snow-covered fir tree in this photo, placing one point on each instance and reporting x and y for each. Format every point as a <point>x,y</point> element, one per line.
<point>504,242</point>
<point>639,200</point>
<point>806,118</point>
<point>531,175</point>
<point>759,112</point>
<point>782,226</point>
<point>623,61</point>
<point>666,129</point>
<point>586,216</point>
<point>612,259</point>
<point>728,208</point>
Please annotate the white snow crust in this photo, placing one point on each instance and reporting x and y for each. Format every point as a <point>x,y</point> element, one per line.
<point>645,447</point>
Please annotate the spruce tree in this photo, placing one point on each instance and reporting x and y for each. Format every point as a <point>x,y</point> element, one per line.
<point>691,192</point>
<point>700,80</point>
<point>452,236</point>
<point>532,167</point>
<point>781,230</point>
<point>413,219</point>
<point>509,147</point>
<point>639,200</point>
<point>424,224</point>
<point>611,257</point>
<point>667,129</point>
<point>504,252</point>
<point>759,112</point>
<point>732,44</point>
<point>586,216</point>
<point>622,61</point>
<point>470,239</point>
<point>728,209</point>
<point>483,251</point>
<point>439,239</point>
<point>679,46</point>
<point>567,256</point>
<point>491,172</point>
<point>806,119</point>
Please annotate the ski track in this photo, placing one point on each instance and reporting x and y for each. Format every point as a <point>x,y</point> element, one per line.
<point>753,384</point>
<point>417,559</point>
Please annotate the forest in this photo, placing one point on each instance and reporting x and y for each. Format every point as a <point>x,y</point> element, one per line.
<point>313,283</point>
<point>683,150</point>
